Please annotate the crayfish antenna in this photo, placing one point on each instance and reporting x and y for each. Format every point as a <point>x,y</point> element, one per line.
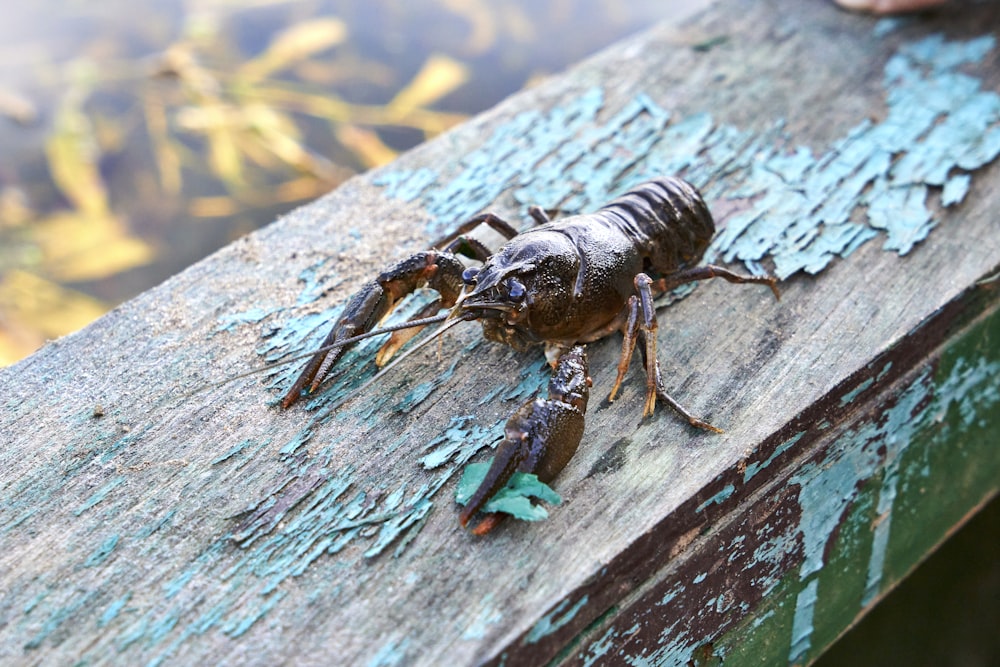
<point>320,350</point>
<point>449,323</point>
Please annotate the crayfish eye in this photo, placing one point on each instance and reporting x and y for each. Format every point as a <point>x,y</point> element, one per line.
<point>515,289</point>
<point>469,275</point>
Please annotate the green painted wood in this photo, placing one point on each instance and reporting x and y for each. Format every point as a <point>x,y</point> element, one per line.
<point>146,522</point>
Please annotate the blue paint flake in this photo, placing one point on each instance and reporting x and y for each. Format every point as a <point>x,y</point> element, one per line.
<point>669,596</point>
<point>238,449</point>
<point>718,498</point>
<point>802,209</point>
<point>955,189</point>
<point>115,608</point>
<point>802,622</point>
<point>99,495</point>
<point>102,552</point>
<point>487,616</point>
<point>250,316</point>
<point>754,468</point>
<point>600,648</point>
<point>146,531</point>
<point>317,278</point>
<point>60,615</point>
<point>857,391</point>
<point>555,619</point>
<point>882,373</point>
<point>239,627</point>
<point>33,602</point>
<point>391,654</point>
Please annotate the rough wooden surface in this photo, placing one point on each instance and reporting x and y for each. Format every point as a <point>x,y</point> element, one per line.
<point>853,156</point>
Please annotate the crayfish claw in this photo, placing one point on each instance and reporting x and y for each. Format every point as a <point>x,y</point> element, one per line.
<point>540,437</point>
<point>403,336</point>
<point>438,270</point>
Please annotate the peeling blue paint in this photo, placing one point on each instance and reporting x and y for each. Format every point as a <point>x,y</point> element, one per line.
<point>391,654</point>
<point>600,648</point>
<point>249,316</point>
<point>157,525</point>
<point>670,595</point>
<point>102,552</point>
<point>59,615</point>
<point>115,608</point>
<point>317,278</point>
<point>718,498</point>
<point>754,468</point>
<point>555,619</point>
<point>829,486</point>
<point>177,584</point>
<point>488,615</point>
<point>802,624</point>
<point>453,443</point>
<point>867,470</point>
<point>882,373</point>
<point>100,494</point>
<point>33,602</point>
<point>238,628</point>
<point>854,393</point>
<point>245,449</point>
<point>802,205</point>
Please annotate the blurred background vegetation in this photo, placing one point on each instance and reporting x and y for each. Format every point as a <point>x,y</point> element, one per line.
<point>139,137</point>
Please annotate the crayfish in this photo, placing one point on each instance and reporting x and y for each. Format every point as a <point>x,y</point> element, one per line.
<point>560,284</point>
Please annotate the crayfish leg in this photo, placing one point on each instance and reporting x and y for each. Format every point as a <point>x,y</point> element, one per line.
<point>457,241</point>
<point>645,328</point>
<point>540,437</point>
<point>642,324</point>
<point>438,270</point>
<point>707,271</point>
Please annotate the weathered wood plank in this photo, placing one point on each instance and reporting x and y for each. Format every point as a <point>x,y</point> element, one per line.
<point>143,524</point>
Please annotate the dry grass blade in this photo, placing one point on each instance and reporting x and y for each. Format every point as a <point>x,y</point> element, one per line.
<point>439,76</point>
<point>293,45</point>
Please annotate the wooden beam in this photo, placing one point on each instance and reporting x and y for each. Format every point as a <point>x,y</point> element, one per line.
<point>856,157</point>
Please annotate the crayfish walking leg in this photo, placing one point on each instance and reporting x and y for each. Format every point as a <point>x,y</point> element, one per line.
<point>540,437</point>
<point>641,324</point>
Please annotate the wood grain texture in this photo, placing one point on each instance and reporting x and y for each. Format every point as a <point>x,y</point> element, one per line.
<point>143,523</point>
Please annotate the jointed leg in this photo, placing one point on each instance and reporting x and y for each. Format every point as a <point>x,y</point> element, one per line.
<point>456,243</point>
<point>642,323</point>
<point>628,344</point>
<point>711,271</point>
<point>459,243</point>
<point>457,236</point>
<point>539,215</point>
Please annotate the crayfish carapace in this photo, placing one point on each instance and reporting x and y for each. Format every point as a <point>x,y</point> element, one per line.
<point>560,284</point>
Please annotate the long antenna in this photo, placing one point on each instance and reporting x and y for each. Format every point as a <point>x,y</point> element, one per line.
<point>326,348</point>
<point>385,369</point>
